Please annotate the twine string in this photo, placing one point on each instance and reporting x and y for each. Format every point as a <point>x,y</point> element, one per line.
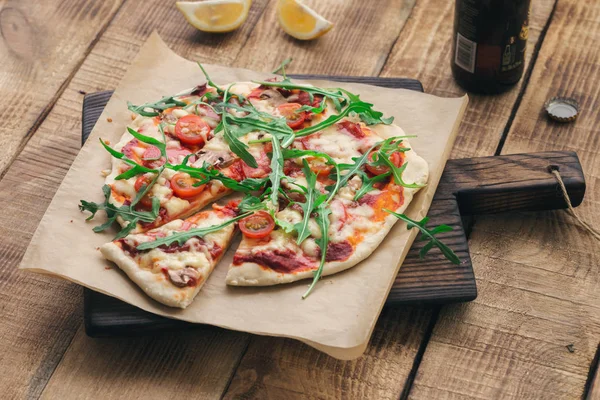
<point>595,233</point>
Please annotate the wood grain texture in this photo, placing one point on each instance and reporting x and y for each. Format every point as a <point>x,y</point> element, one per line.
<point>173,365</point>
<point>537,273</point>
<point>359,43</point>
<point>423,51</point>
<point>286,369</point>
<point>41,45</point>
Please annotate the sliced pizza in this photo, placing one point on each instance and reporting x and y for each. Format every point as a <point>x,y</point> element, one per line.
<point>357,221</point>
<point>172,263</point>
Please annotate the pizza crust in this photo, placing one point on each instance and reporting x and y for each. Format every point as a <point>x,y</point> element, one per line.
<point>157,285</point>
<point>154,285</point>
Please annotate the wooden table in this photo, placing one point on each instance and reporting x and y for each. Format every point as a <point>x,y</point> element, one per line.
<point>538,273</point>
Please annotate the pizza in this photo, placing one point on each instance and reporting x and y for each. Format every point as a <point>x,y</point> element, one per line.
<point>174,271</point>
<point>322,177</point>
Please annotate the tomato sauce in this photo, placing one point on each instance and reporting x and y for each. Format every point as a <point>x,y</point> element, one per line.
<point>284,261</point>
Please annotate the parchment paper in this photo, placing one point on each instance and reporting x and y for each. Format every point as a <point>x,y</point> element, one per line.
<point>339,316</point>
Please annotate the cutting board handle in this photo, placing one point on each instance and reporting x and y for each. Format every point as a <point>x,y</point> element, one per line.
<point>516,182</point>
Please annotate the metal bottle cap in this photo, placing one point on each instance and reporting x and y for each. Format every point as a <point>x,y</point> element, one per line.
<point>562,109</point>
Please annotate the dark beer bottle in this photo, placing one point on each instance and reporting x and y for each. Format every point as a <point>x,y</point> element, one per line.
<point>490,38</point>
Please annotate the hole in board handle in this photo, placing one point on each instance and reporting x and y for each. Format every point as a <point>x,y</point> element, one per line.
<point>553,168</point>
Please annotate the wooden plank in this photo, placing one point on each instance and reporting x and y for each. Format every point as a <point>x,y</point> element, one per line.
<point>193,364</point>
<point>283,368</point>
<point>41,315</point>
<point>537,273</point>
<point>423,52</point>
<point>43,43</point>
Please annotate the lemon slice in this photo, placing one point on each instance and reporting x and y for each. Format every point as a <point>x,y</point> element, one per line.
<point>301,22</point>
<point>215,15</point>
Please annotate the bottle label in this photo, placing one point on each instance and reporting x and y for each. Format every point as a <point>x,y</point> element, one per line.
<point>466,50</point>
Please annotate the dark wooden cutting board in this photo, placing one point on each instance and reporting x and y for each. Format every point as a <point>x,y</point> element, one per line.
<point>521,182</point>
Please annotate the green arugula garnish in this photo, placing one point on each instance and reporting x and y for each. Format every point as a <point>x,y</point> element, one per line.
<point>136,170</point>
<point>231,134</point>
<point>251,203</point>
<point>367,184</point>
<point>181,237</point>
<point>210,83</point>
<point>159,106</point>
<point>276,171</point>
<point>308,205</point>
<point>294,153</point>
<point>127,213</point>
<point>322,219</point>
<point>429,235</point>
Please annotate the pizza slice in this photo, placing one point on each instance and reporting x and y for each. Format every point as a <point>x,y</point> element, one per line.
<point>171,263</point>
<point>288,247</point>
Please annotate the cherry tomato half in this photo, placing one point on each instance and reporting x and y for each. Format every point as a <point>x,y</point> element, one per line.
<point>183,186</point>
<point>145,179</point>
<point>258,225</point>
<point>294,119</point>
<point>319,166</point>
<point>397,158</point>
<point>191,129</point>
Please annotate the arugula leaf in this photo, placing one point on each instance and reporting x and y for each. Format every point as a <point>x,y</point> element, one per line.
<point>181,237</point>
<point>255,120</point>
<point>150,140</point>
<point>355,168</point>
<point>236,146</point>
<point>276,170</point>
<point>356,107</point>
<point>367,184</point>
<point>334,94</point>
<point>429,235</point>
<point>251,203</point>
<point>210,82</point>
<point>308,205</point>
<point>127,213</point>
<point>322,219</point>
<point>397,172</point>
<point>282,66</point>
<point>293,153</point>
<point>137,168</point>
<point>160,105</point>
<point>206,174</point>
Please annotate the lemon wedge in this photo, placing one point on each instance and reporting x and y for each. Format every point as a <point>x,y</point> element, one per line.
<point>215,15</point>
<point>301,22</point>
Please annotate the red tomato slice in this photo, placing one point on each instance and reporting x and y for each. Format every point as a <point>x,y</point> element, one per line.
<point>145,179</point>
<point>258,225</point>
<point>397,158</point>
<point>191,129</point>
<point>319,166</point>
<point>294,119</point>
<point>183,186</point>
